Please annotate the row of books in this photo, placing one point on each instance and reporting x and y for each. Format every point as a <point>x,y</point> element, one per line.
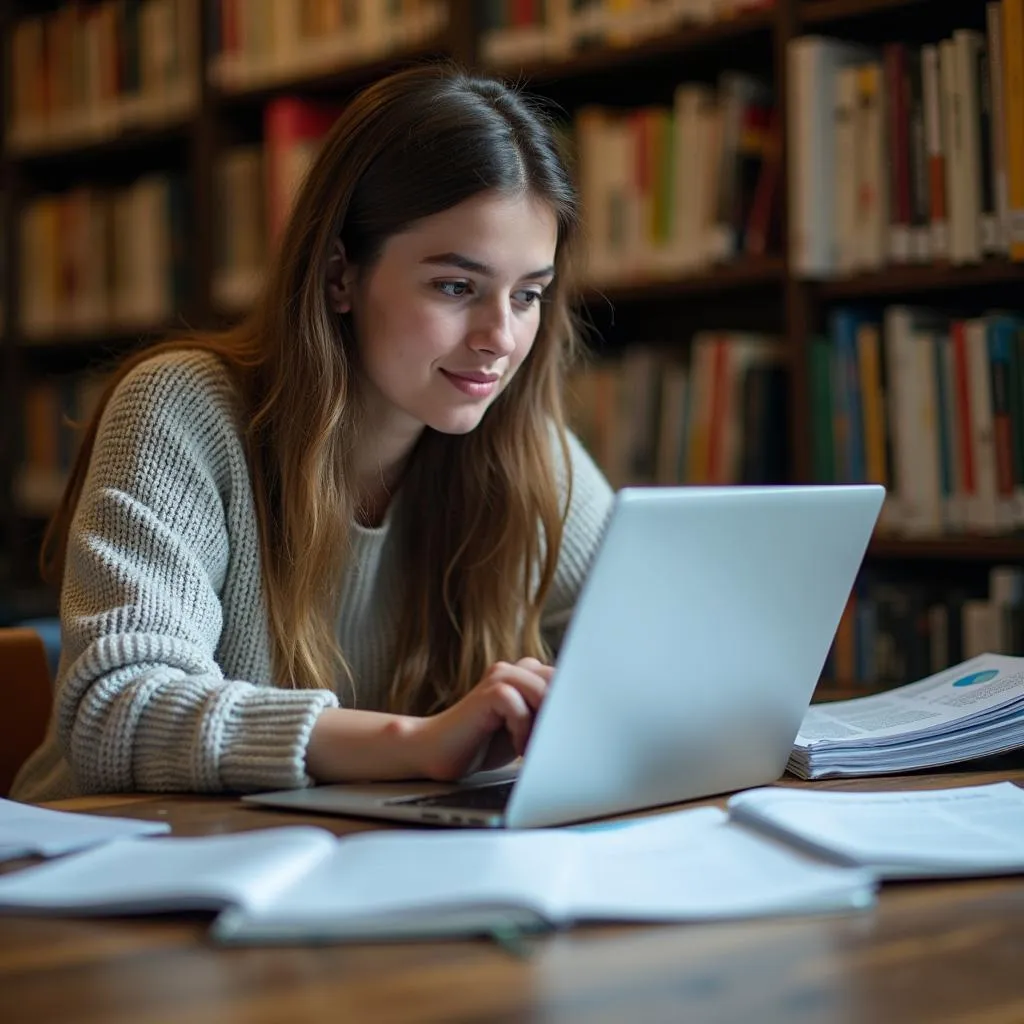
<point>652,416</point>
<point>94,259</point>
<point>86,72</point>
<point>894,632</point>
<point>907,153</point>
<point>666,191</point>
<point>254,43</point>
<point>53,410</point>
<point>535,31</point>
<point>254,188</point>
<point>929,405</point>
<point>240,228</point>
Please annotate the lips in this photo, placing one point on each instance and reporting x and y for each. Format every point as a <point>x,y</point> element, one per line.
<point>473,383</point>
<point>474,376</point>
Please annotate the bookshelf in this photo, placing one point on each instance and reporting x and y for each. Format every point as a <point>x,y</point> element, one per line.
<point>948,549</point>
<point>750,27</point>
<point>744,275</point>
<point>662,300</point>
<point>922,280</point>
<point>816,13</point>
<point>167,112</point>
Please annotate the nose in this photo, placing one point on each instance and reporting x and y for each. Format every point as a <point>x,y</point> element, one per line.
<point>492,328</point>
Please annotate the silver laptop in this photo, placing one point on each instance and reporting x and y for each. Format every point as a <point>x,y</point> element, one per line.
<point>687,667</point>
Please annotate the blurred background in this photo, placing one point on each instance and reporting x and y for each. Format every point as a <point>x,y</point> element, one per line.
<point>805,225</point>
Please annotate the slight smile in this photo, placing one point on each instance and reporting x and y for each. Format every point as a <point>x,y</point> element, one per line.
<point>476,385</point>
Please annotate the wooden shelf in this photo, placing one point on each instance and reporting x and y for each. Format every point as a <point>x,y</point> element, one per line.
<point>690,39</point>
<point>817,12</point>
<point>70,351</point>
<point>126,143</point>
<point>743,274</point>
<point>113,335</point>
<point>1008,548</point>
<point>339,80</point>
<point>911,278</point>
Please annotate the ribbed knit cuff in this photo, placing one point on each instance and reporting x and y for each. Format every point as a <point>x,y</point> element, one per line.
<point>264,738</point>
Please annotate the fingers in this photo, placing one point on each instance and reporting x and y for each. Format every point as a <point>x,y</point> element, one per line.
<point>516,692</point>
<point>530,685</point>
<point>534,665</point>
<point>516,714</point>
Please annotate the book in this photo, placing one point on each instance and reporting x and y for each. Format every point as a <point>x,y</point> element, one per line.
<point>974,709</point>
<point>293,129</point>
<point>29,831</point>
<point>964,831</point>
<point>301,884</point>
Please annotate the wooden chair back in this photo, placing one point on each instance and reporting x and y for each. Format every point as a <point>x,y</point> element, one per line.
<point>26,698</point>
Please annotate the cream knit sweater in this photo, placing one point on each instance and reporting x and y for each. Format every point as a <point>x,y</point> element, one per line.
<point>165,680</point>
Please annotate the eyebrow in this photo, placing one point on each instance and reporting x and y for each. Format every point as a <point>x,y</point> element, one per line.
<point>455,259</point>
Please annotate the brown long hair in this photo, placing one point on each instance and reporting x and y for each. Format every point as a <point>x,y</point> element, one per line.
<point>480,553</point>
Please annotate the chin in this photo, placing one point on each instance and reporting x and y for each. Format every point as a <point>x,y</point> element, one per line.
<point>457,421</point>
<point>455,425</point>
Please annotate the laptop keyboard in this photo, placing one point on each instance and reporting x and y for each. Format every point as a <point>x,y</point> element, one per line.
<point>478,798</point>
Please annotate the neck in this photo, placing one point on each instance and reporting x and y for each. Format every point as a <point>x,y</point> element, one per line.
<point>379,464</point>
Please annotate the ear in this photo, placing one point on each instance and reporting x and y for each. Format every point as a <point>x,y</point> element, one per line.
<point>341,278</point>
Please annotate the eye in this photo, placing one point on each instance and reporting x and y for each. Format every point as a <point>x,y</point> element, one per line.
<point>528,296</point>
<point>453,289</point>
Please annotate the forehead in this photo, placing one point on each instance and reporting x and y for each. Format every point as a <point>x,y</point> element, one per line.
<point>516,233</point>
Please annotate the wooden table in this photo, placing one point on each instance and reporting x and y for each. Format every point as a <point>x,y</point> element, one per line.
<point>937,952</point>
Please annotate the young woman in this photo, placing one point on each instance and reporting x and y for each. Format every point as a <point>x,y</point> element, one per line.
<point>340,541</point>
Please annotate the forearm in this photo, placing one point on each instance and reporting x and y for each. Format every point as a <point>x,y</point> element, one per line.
<point>164,730</point>
<point>347,745</point>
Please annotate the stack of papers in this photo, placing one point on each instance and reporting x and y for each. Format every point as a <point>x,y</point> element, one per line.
<point>27,831</point>
<point>974,709</point>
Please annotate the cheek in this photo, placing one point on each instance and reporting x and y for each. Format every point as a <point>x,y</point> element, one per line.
<point>397,334</point>
<point>526,338</point>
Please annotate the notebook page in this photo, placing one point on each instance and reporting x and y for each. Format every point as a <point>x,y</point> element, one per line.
<point>407,874</point>
<point>695,865</point>
<point>148,875</point>
<point>26,830</point>
<point>686,866</point>
<point>968,830</point>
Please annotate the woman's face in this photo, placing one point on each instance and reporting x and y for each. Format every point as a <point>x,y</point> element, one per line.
<point>451,309</point>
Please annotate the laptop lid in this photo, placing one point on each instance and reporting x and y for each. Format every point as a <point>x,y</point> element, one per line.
<point>694,648</point>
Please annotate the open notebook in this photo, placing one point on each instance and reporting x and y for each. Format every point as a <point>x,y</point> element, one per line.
<point>302,884</point>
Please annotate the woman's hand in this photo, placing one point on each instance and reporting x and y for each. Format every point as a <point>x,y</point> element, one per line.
<point>489,727</point>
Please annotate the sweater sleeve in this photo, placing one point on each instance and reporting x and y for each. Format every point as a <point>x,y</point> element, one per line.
<point>589,506</point>
<point>141,702</point>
